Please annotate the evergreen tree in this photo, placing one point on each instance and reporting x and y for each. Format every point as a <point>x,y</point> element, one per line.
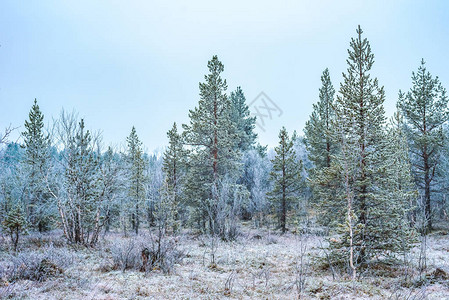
<point>243,122</point>
<point>321,144</point>
<point>111,186</point>
<point>14,224</point>
<point>425,109</point>
<point>37,143</point>
<point>319,137</point>
<point>136,178</point>
<point>286,176</point>
<point>363,164</point>
<point>212,138</point>
<point>174,170</point>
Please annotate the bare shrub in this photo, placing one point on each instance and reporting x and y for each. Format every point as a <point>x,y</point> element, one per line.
<point>271,239</point>
<point>163,253</point>
<point>40,240</point>
<point>144,254</point>
<point>399,294</point>
<point>301,266</point>
<point>125,255</point>
<point>35,266</point>
<point>229,284</point>
<point>10,291</point>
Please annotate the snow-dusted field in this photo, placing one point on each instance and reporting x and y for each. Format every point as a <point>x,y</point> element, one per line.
<point>259,265</point>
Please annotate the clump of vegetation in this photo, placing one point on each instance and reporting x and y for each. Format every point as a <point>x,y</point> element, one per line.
<point>35,266</point>
<point>14,224</point>
<point>143,255</point>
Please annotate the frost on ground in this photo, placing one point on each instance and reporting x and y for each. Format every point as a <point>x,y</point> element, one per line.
<point>259,265</point>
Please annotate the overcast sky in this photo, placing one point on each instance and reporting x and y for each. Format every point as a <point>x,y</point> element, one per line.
<point>125,63</point>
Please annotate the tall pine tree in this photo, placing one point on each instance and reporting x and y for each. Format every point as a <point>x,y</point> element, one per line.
<point>136,187</point>
<point>425,109</point>
<point>364,162</point>
<point>320,141</point>
<point>36,163</point>
<point>212,139</point>
<point>174,165</point>
<point>286,177</point>
<point>319,137</point>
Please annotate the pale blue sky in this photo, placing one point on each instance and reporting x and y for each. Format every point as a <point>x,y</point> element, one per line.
<point>125,63</point>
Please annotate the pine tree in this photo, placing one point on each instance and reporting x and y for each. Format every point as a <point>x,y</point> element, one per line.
<point>136,178</point>
<point>36,163</point>
<point>212,138</point>
<point>319,138</point>
<point>320,141</point>
<point>174,169</point>
<point>286,176</point>
<point>14,224</point>
<point>111,186</point>
<point>425,109</point>
<point>243,122</point>
<point>364,162</point>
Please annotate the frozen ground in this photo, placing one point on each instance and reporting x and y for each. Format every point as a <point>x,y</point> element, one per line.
<point>259,265</point>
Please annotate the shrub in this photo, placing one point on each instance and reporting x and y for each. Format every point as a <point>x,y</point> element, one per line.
<point>145,254</point>
<point>35,266</point>
<point>125,255</point>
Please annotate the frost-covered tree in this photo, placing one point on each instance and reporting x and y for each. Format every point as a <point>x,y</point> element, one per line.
<point>36,165</point>
<point>319,136</point>
<point>322,146</point>
<point>14,224</point>
<point>286,177</point>
<point>174,167</point>
<point>212,139</point>
<point>243,121</point>
<point>136,179</point>
<point>363,165</point>
<point>425,109</point>
<point>5,135</point>
<point>12,179</point>
<point>76,185</point>
<point>155,181</point>
<point>255,177</point>
<point>400,189</point>
<point>111,187</point>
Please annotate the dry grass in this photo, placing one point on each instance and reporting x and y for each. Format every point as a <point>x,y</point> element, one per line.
<point>259,265</point>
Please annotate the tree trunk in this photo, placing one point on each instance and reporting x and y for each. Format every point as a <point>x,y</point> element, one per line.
<point>427,180</point>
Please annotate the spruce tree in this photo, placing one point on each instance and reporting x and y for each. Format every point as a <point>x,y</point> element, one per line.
<point>243,122</point>
<point>425,109</point>
<point>212,139</point>
<point>174,169</point>
<point>136,167</point>
<point>286,177</point>
<point>36,164</point>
